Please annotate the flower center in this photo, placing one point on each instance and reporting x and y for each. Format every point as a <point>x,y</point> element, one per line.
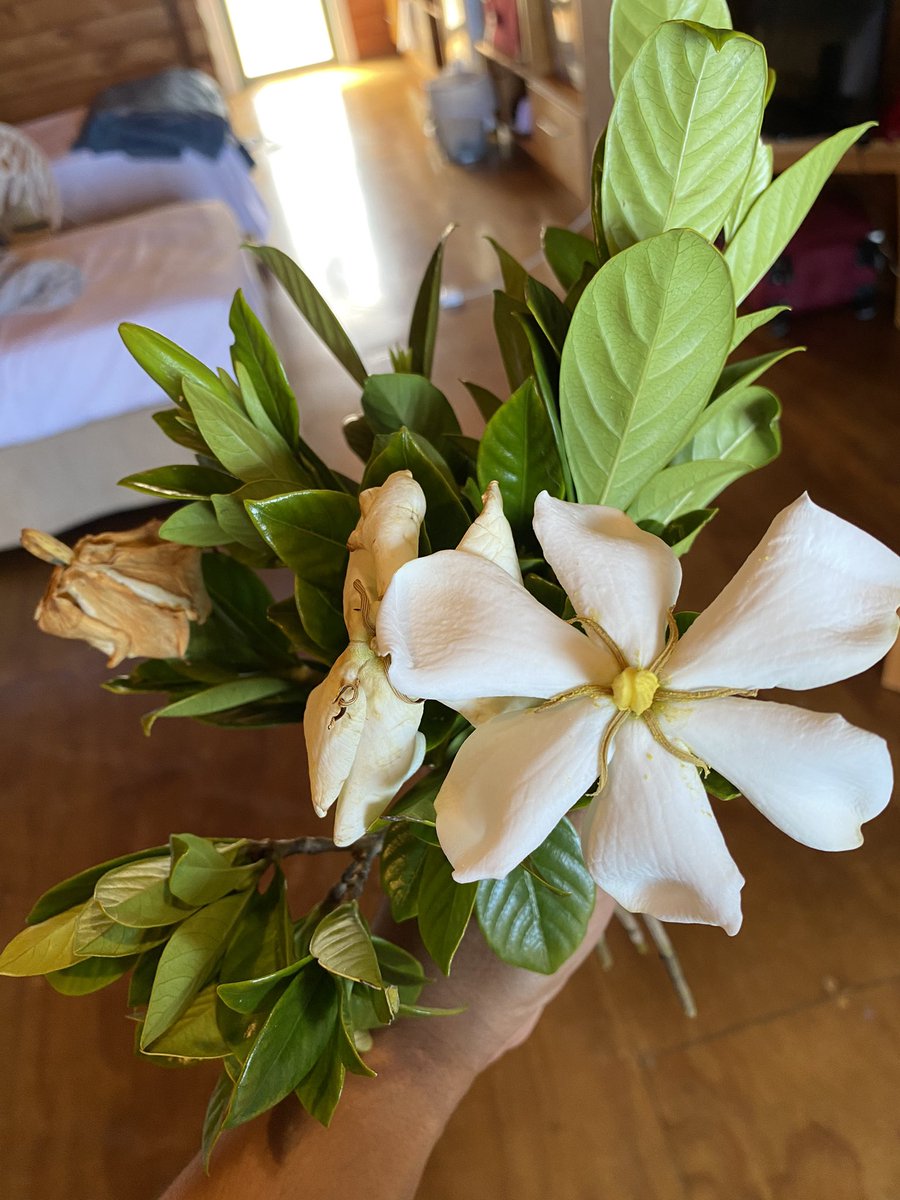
<point>633,690</point>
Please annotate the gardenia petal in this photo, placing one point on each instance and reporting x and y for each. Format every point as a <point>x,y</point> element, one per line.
<point>814,775</point>
<point>815,602</point>
<point>613,572</point>
<point>513,780</point>
<point>457,628</point>
<point>389,751</point>
<point>331,751</point>
<point>651,841</point>
<point>490,536</point>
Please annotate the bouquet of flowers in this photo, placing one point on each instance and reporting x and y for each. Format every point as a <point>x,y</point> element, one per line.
<point>502,704</point>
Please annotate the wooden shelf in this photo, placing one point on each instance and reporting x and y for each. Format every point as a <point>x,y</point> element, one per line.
<point>555,89</point>
<point>876,157</point>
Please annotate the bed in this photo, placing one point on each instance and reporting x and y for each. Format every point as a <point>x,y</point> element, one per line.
<point>74,406</point>
<point>97,187</point>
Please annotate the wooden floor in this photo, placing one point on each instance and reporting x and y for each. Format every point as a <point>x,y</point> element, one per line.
<point>786,1085</point>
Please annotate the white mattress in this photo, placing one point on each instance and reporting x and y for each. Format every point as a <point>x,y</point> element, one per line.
<point>98,187</point>
<point>174,269</point>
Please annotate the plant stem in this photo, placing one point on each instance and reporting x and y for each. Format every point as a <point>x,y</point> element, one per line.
<point>351,883</point>
<point>277,848</point>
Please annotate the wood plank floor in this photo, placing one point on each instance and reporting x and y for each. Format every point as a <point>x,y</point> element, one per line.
<point>785,1086</point>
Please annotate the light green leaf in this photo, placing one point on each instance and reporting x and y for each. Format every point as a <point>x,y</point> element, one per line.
<point>739,375</point>
<point>529,925</point>
<point>201,874</point>
<point>682,135</point>
<point>89,975</point>
<point>778,212</point>
<point>444,908</point>
<point>194,525</point>
<point>98,935</point>
<point>313,308</point>
<point>183,482</point>
<point>758,179</point>
<point>749,322</point>
<point>568,254</point>
<point>167,364</point>
<point>233,518</point>
<point>39,949</point>
<point>426,311</point>
<point>294,1035</point>
<point>740,425</point>
<point>81,886</point>
<point>308,530</point>
<point>519,452</point>
<point>684,488</point>
<point>343,945</point>
<point>647,343</point>
<point>632,22</point>
<point>320,1090</point>
<point>138,895</point>
<point>244,450</point>
<point>195,1035</point>
<point>402,864</point>
<point>254,351</point>
<point>218,698</point>
<point>446,519</point>
<point>182,429</point>
<point>187,962</point>
<point>392,402</point>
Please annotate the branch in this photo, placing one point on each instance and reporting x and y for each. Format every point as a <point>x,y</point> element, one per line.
<point>351,883</point>
<point>277,848</point>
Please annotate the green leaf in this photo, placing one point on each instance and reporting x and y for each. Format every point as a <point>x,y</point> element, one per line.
<point>426,311</point>
<point>234,521</point>
<point>755,184</point>
<point>741,425</point>
<point>343,945</point>
<point>567,254</point>
<point>182,482</point>
<point>308,530</point>
<point>444,908</point>
<point>40,949</point>
<point>195,1035</point>
<point>776,215</point>
<point>313,308</point>
<point>683,133</point>
<point>241,601</point>
<point>550,313</point>
<point>549,594</point>
<point>89,975</point>
<point>320,1089</point>
<point>294,1035</point>
<point>739,375</point>
<point>633,21</point>
<point>400,968</point>
<point>720,787</point>
<point>515,277</point>
<point>264,941</point>
<point>531,926</point>
<point>219,698</point>
<point>98,935</point>
<point>393,402</point>
<point>359,435</point>
<point>514,349</point>
<point>350,1049</point>
<point>182,429</point>
<point>597,200</point>
<point>681,533</point>
<point>322,617</point>
<point>138,895</point>
<point>684,488</point>
<point>519,452</point>
<point>201,874</point>
<point>141,983</point>
<point>80,887</point>
<point>194,525</point>
<point>187,962</point>
<point>402,864</point>
<point>252,995</point>
<point>254,351</point>
<point>167,364</point>
<point>446,519</point>
<point>647,343</point>
<point>245,451</point>
<point>487,402</point>
<point>749,322</point>
<point>546,377</point>
<point>216,1112</point>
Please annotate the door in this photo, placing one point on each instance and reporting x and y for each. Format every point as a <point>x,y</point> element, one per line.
<point>272,36</point>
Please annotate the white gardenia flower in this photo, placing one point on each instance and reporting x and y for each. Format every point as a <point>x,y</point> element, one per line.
<point>362,736</point>
<point>814,603</point>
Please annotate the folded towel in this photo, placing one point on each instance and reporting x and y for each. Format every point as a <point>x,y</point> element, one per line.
<point>37,286</point>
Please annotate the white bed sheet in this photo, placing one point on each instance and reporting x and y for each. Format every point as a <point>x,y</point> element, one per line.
<point>98,187</point>
<point>174,269</point>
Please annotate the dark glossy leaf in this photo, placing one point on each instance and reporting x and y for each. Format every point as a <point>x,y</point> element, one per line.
<point>216,1111</point>
<point>511,339</point>
<point>515,277</point>
<point>549,594</point>
<point>519,452</point>
<point>487,402</point>
<point>359,435</point>
<point>141,984</point>
<point>182,429</point>
<point>323,618</point>
<point>252,995</point>
<point>313,308</point>
<point>181,482</point>
<point>550,313</point>
<point>219,698</point>
<point>308,530</point>
<point>444,908</point>
<point>720,787</point>
<point>402,864</point>
<point>194,525</point>
<point>400,968</point>
<point>567,254</point>
<point>254,350</point>
<point>166,363</point>
<point>80,887</point>
<point>320,1089</point>
<point>90,975</point>
<point>393,402</point>
<point>284,614</point>
<point>241,600</point>
<point>446,519</point>
<point>531,926</point>
<point>263,942</point>
<point>426,311</point>
<point>596,200</point>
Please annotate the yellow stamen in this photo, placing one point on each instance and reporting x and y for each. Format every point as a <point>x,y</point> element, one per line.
<point>633,690</point>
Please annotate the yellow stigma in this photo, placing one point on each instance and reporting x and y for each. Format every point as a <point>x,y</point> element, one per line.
<point>633,690</point>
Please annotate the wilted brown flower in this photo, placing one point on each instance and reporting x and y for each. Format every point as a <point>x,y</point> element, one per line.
<point>130,594</point>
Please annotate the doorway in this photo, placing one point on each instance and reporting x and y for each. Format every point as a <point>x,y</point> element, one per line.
<point>274,36</point>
